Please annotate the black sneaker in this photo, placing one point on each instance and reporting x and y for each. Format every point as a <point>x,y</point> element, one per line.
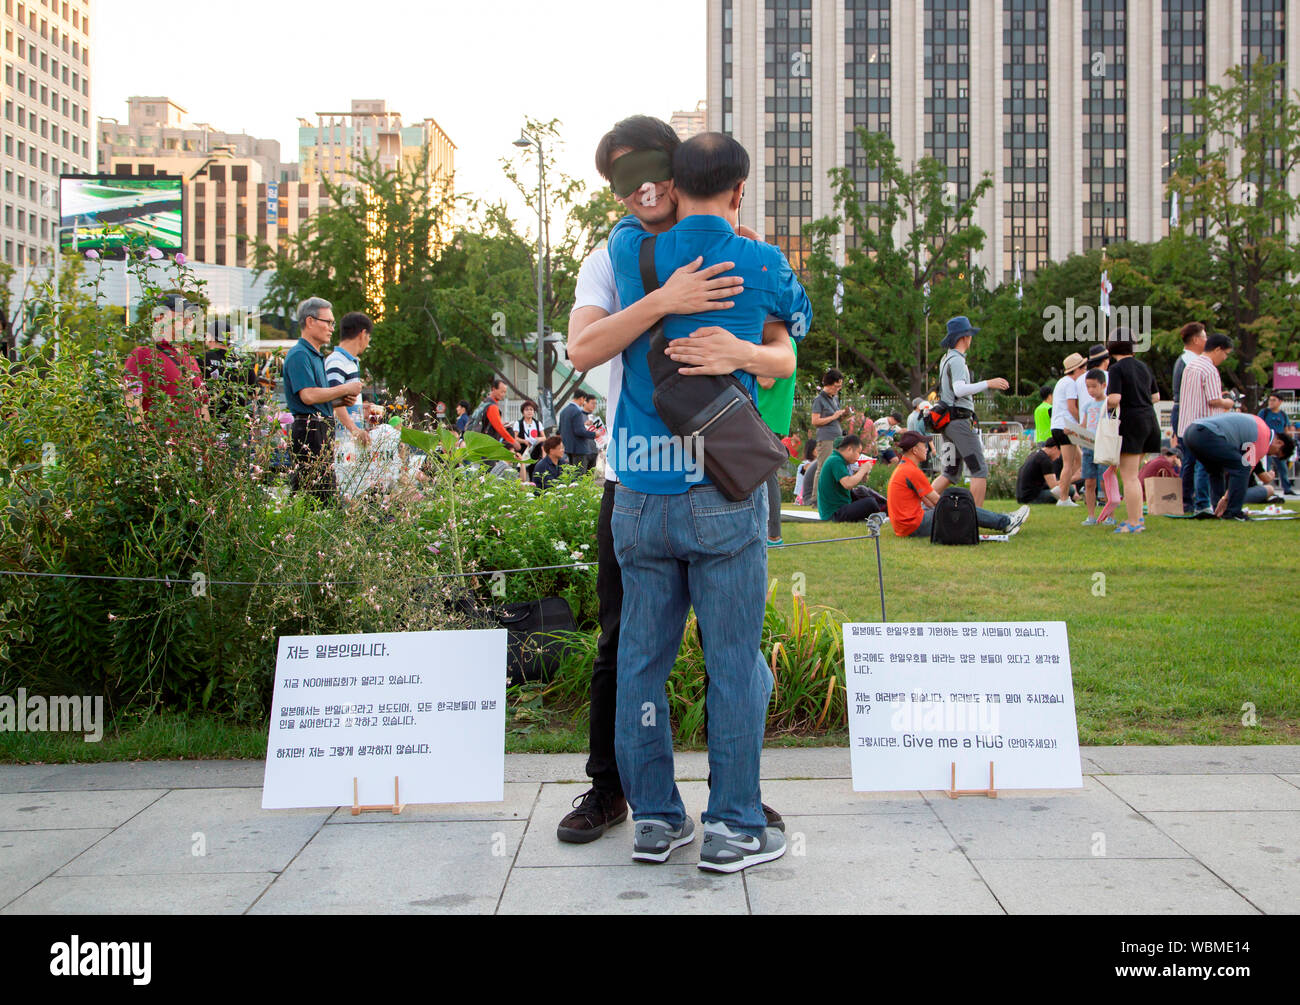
<point>594,812</point>
<point>773,818</point>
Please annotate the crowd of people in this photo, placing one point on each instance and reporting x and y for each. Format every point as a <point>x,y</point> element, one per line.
<point>1223,458</point>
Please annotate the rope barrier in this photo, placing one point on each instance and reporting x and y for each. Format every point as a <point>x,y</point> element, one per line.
<point>169,581</point>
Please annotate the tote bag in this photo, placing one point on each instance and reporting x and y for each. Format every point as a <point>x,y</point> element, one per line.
<point>1106,451</point>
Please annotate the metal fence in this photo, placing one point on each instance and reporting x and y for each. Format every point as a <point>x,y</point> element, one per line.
<point>1001,440</point>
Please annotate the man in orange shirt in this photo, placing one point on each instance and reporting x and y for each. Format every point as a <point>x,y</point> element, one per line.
<point>911,499</point>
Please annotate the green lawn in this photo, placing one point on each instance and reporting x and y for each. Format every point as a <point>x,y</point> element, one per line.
<point>1197,618</point>
<point>1196,621</point>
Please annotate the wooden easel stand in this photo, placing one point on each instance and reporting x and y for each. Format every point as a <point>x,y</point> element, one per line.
<point>952,792</point>
<point>395,808</point>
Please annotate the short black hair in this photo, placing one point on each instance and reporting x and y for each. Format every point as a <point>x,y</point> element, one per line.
<point>465,405</point>
<point>1046,391</point>
<point>1217,341</point>
<point>810,450</point>
<point>1121,342</point>
<point>1288,445</point>
<point>354,323</point>
<point>1274,394</point>
<point>832,376</point>
<point>709,164</point>
<point>1097,374</point>
<point>497,382</point>
<point>852,440</point>
<point>637,132</point>
<point>896,416</point>
<point>1190,330</point>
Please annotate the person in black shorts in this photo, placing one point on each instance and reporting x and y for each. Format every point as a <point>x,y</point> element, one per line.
<point>1131,387</point>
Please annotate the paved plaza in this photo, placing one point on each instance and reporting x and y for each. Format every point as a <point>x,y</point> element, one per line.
<point>1155,830</point>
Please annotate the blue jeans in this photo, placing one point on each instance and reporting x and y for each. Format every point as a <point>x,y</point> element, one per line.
<point>677,551</point>
<point>1279,469</point>
<point>1223,468</point>
<point>987,519</point>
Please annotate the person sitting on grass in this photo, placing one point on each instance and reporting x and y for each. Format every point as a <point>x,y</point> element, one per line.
<point>1036,482</point>
<point>835,484</point>
<point>548,468</point>
<point>911,497</point>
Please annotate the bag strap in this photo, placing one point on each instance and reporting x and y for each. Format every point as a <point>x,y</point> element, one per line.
<point>646,260</point>
<point>943,375</point>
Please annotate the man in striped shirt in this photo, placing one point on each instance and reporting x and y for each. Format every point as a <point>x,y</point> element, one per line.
<point>1201,395</point>
<point>343,366</point>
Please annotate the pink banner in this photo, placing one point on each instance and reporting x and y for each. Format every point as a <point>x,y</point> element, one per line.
<point>1286,376</point>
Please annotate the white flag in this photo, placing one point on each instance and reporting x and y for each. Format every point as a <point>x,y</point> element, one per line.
<point>838,299</point>
<point>1105,293</point>
<point>1020,285</point>
<point>1173,210</point>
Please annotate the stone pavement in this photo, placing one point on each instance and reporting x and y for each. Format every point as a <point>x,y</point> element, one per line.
<point>1155,830</point>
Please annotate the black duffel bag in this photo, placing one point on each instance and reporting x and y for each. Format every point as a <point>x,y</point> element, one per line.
<point>533,653</point>
<point>712,415</point>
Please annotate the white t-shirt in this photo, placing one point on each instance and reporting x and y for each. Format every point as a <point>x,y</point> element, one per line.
<point>596,288</point>
<point>1066,390</point>
<point>1081,382</point>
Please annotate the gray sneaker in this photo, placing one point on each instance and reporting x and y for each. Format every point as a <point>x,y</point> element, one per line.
<point>654,840</point>
<point>724,850</point>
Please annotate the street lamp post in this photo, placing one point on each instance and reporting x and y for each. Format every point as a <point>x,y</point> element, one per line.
<point>543,386</point>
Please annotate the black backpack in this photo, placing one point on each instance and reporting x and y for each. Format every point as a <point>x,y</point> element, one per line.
<point>954,520</point>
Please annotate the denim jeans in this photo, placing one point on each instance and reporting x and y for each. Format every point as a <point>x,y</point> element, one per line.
<point>1282,482</point>
<point>1188,475</point>
<point>999,523</point>
<point>677,551</point>
<point>1223,468</point>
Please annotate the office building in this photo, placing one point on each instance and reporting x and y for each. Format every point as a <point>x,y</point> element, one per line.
<point>47,128</point>
<point>1073,107</point>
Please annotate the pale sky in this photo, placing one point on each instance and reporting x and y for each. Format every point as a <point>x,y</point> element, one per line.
<point>477,67</point>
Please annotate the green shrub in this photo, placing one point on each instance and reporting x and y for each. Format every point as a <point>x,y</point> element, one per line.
<point>1003,472</point>
<point>804,653</point>
<point>87,491</point>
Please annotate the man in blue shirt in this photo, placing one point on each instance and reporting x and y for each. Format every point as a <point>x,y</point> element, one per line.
<point>1276,419</point>
<point>681,543</point>
<point>310,400</point>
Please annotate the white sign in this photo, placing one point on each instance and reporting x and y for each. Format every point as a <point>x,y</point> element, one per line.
<point>922,696</point>
<point>425,707</point>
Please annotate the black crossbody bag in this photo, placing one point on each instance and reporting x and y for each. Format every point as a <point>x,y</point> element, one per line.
<point>740,452</point>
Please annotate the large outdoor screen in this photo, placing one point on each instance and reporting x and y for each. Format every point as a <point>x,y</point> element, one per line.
<point>106,213</point>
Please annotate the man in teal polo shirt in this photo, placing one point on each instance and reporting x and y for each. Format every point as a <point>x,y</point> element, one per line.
<point>835,484</point>
<point>310,400</point>
<point>681,543</point>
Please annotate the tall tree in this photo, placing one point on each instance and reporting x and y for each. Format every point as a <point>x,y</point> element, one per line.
<point>883,319</point>
<point>1234,176</point>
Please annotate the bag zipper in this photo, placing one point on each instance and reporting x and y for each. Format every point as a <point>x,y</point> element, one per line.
<point>721,412</point>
